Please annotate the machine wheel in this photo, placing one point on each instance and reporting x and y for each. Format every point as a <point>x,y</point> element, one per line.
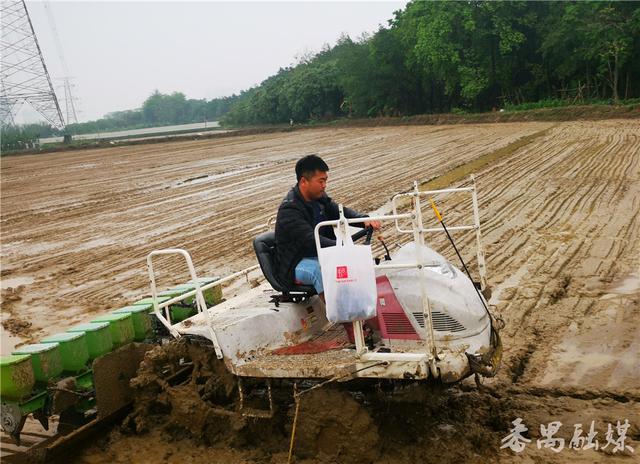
<point>12,420</point>
<point>332,424</point>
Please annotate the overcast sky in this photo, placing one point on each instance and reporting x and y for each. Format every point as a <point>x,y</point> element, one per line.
<point>118,53</point>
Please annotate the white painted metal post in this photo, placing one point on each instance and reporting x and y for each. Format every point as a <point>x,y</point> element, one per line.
<point>154,297</point>
<point>200,302</point>
<point>479,248</point>
<point>358,334</point>
<point>426,307</point>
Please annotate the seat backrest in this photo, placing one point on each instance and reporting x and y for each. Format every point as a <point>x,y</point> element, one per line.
<point>265,247</point>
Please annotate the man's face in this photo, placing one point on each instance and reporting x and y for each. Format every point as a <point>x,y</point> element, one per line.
<point>314,187</point>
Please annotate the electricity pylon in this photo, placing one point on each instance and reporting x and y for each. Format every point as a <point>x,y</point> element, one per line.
<point>23,73</point>
<point>69,98</point>
<point>71,112</point>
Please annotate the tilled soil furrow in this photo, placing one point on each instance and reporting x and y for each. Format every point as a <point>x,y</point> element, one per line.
<point>559,207</point>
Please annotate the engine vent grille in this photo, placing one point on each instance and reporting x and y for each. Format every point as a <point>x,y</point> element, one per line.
<point>398,324</point>
<point>441,322</point>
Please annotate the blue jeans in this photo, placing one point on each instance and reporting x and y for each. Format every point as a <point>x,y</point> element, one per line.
<point>308,273</point>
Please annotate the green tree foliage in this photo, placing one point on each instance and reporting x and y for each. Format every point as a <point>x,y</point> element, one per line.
<point>301,93</point>
<point>433,57</point>
<point>159,110</point>
<point>472,55</point>
<point>21,137</point>
<point>595,46</point>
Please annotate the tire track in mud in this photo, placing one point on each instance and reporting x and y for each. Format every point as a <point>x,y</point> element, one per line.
<point>576,210</point>
<point>595,200</point>
<point>589,221</point>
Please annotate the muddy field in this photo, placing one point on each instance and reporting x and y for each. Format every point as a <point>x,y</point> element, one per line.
<point>559,206</point>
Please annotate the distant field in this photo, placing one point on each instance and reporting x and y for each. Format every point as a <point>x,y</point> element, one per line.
<point>147,131</point>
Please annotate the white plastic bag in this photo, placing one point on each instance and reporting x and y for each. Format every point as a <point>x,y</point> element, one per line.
<point>349,280</point>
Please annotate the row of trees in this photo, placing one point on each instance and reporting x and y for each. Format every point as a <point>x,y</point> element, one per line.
<point>159,110</point>
<point>23,137</point>
<point>433,57</point>
<point>468,56</point>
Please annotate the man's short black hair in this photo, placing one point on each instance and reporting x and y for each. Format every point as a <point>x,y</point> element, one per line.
<point>308,165</point>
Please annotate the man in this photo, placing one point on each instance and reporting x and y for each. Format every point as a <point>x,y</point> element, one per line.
<point>306,205</point>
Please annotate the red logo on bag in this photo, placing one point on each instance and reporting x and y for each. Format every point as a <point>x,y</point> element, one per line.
<point>342,272</point>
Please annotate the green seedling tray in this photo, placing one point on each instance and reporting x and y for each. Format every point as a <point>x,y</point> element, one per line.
<point>140,318</point>
<point>73,349</point>
<point>98,336</point>
<point>121,326</point>
<point>16,376</point>
<point>46,360</point>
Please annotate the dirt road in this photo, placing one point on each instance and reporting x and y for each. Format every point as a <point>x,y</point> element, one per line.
<point>559,206</point>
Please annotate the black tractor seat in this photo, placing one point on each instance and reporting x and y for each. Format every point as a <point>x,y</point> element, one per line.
<point>265,248</point>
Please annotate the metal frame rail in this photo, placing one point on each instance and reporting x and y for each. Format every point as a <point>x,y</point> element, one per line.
<point>201,305</point>
<point>418,230</point>
<point>415,194</point>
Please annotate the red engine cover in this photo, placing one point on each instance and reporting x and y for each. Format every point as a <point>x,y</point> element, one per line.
<point>391,320</point>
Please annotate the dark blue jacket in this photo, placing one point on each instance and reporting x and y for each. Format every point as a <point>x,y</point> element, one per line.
<point>294,231</point>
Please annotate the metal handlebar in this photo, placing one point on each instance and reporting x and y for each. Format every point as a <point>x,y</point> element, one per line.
<point>368,231</point>
<point>200,302</point>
